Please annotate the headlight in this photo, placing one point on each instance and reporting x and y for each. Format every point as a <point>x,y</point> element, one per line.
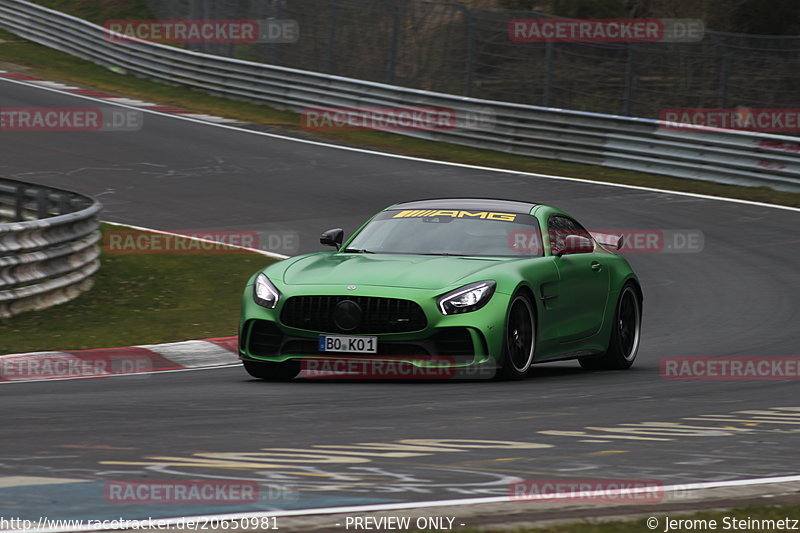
<point>468,298</point>
<point>264,292</point>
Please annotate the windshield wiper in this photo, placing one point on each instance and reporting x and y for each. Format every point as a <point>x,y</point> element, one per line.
<point>357,251</point>
<point>445,253</point>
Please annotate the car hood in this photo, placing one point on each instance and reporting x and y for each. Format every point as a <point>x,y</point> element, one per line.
<point>388,270</point>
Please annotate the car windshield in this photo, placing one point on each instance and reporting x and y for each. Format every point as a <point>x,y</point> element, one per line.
<point>450,232</point>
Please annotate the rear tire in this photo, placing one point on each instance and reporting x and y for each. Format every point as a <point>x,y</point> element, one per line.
<point>285,371</point>
<point>519,339</point>
<point>625,334</point>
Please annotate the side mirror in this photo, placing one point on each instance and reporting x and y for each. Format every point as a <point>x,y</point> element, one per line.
<point>332,237</point>
<point>575,244</point>
<point>613,242</point>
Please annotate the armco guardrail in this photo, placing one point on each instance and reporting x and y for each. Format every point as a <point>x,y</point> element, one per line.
<point>48,246</point>
<point>727,156</point>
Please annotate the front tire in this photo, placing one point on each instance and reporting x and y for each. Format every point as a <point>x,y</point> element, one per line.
<point>519,339</point>
<point>268,371</point>
<point>625,334</point>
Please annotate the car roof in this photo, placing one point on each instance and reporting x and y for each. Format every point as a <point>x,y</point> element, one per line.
<point>491,204</point>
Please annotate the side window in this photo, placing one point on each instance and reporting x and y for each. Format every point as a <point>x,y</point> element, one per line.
<point>558,227</point>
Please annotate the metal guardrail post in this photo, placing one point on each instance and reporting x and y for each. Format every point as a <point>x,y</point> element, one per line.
<point>42,203</point>
<point>471,46</point>
<point>273,50</point>
<point>630,79</point>
<point>724,75</point>
<point>547,82</point>
<point>391,60</point>
<point>19,203</point>
<point>63,204</point>
<point>329,67</point>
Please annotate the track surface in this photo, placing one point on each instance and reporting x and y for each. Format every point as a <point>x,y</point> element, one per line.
<point>738,297</point>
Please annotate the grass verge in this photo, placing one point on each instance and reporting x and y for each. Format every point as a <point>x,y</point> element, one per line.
<point>142,299</point>
<point>22,56</point>
<point>98,11</point>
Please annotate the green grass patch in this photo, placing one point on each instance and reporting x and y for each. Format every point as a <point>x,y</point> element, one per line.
<point>143,299</point>
<point>38,60</point>
<point>99,11</point>
<point>639,525</point>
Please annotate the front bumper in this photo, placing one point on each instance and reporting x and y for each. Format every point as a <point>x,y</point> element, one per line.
<point>453,341</point>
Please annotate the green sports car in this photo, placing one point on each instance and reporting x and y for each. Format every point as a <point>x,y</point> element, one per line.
<point>445,288</point>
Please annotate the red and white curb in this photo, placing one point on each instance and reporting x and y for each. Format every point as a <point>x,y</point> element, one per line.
<point>131,102</point>
<point>146,358</point>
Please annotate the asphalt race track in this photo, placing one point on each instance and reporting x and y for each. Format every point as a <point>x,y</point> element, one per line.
<point>738,296</point>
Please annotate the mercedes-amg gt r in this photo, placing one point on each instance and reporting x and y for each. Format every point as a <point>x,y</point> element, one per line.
<point>455,285</point>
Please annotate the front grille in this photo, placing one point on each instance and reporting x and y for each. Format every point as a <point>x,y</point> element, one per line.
<point>265,338</point>
<point>378,315</point>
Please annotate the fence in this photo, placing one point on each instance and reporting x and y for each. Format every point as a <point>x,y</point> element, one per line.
<point>614,141</point>
<point>48,249</point>
<point>452,48</point>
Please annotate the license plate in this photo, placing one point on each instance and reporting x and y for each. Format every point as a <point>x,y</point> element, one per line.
<point>341,343</point>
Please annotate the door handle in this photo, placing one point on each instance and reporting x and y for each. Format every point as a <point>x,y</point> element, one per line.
<point>596,266</point>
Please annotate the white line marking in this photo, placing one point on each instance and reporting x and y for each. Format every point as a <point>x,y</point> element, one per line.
<point>126,102</point>
<point>165,522</point>
<point>212,118</point>
<point>30,481</point>
<point>200,239</point>
<point>410,158</point>
<point>53,84</point>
